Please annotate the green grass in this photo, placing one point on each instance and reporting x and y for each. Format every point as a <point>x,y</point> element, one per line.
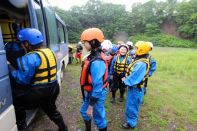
<point>172,94</point>
<point>171,101</point>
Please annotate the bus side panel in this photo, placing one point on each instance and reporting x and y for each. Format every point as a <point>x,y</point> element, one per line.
<point>5,94</point>
<point>7,114</point>
<point>5,88</point>
<point>62,58</point>
<point>7,120</point>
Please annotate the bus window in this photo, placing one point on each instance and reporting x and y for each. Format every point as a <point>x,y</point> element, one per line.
<point>51,26</point>
<point>39,16</point>
<point>66,34</point>
<point>61,32</point>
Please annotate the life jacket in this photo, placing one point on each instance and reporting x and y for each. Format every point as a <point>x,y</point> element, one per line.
<point>146,79</point>
<point>86,78</point>
<point>128,53</point>
<point>47,70</point>
<point>131,66</point>
<point>120,67</point>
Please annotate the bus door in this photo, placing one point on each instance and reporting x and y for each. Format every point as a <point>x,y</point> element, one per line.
<point>55,32</point>
<point>7,113</point>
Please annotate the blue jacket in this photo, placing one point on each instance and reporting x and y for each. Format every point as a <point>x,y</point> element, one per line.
<point>97,71</point>
<point>27,66</point>
<point>137,75</point>
<point>114,60</point>
<point>152,66</point>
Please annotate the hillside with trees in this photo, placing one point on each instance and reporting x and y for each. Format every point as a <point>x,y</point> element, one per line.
<point>154,21</point>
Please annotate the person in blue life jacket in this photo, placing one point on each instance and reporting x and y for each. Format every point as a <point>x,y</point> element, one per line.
<point>36,80</point>
<point>153,66</point>
<point>93,80</point>
<point>136,73</point>
<point>118,69</point>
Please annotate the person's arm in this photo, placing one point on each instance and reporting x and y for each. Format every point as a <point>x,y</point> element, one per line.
<point>153,66</point>
<point>27,66</point>
<point>137,75</point>
<point>97,71</point>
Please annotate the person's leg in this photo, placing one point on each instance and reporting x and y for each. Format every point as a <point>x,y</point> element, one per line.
<point>99,114</point>
<point>50,108</point>
<point>20,118</point>
<point>133,102</point>
<point>122,90</point>
<point>23,100</point>
<point>114,87</point>
<point>86,118</point>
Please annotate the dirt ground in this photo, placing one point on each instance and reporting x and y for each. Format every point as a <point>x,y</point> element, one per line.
<point>66,105</point>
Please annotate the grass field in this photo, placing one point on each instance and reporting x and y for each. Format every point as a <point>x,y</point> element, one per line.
<point>171,101</point>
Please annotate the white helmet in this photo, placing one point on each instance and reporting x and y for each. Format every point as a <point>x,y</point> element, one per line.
<point>80,43</point>
<point>106,44</point>
<point>129,43</point>
<point>124,45</point>
<point>151,45</point>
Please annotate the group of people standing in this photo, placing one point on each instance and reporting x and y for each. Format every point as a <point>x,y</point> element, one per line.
<point>120,66</point>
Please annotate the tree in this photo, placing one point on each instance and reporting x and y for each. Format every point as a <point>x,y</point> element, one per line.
<point>186,18</point>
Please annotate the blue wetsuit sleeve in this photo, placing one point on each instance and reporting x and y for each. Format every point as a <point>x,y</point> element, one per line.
<point>153,66</point>
<point>27,67</point>
<point>128,60</point>
<point>97,71</point>
<point>137,75</point>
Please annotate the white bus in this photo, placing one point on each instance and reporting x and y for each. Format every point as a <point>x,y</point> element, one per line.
<point>15,15</point>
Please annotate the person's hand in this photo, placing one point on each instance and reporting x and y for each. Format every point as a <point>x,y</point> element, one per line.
<point>123,78</point>
<point>89,111</point>
<point>10,67</point>
<point>111,77</point>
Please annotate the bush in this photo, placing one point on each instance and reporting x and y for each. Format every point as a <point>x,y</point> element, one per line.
<point>163,40</point>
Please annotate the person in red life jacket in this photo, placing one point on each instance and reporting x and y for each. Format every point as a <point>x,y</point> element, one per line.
<point>106,46</point>
<point>117,71</point>
<point>113,53</point>
<point>78,55</point>
<point>94,80</point>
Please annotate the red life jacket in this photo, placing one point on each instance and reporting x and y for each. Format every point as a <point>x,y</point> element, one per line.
<point>86,78</point>
<point>108,58</point>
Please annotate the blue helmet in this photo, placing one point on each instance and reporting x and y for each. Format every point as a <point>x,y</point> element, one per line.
<point>132,52</point>
<point>114,48</point>
<point>31,35</point>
